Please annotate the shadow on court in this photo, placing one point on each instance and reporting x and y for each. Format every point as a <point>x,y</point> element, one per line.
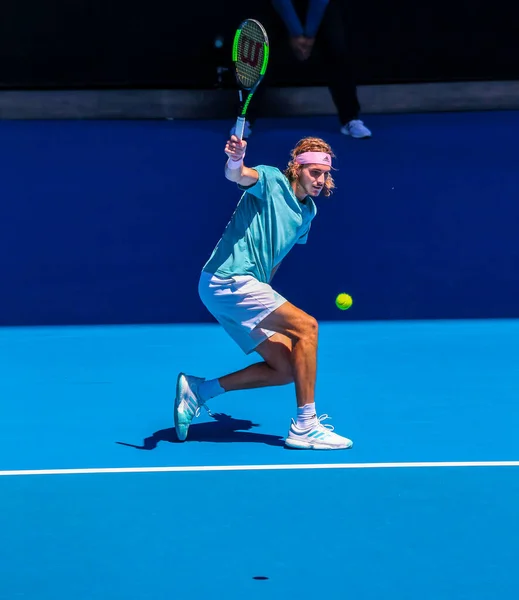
<point>222,429</point>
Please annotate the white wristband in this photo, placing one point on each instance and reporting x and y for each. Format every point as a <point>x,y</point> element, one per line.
<point>235,164</point>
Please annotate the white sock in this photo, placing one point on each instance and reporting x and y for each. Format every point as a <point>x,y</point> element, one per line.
<point>306,416</point>
<point>210,389</point>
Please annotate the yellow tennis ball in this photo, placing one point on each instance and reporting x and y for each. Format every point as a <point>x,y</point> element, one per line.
<point>343,301</point>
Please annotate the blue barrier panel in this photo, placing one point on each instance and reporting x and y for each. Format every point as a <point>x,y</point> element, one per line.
<point>111,222</point>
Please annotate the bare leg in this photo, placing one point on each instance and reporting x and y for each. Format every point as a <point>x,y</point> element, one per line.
<point>302,330</point>
<point>276,370</point>
<point>304,364</point>
<point>290,356</point>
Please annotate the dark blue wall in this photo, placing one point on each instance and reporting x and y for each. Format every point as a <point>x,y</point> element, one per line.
<point>111,222</point>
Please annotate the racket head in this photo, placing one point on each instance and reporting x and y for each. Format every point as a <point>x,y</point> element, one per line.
<point>250,54</point>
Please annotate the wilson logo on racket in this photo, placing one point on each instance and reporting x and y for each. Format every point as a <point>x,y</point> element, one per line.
<point>250,51</point>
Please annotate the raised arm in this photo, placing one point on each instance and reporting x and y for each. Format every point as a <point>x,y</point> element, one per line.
<point>235,170</point>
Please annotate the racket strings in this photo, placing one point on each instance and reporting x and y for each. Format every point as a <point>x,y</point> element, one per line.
<point>251,55</point>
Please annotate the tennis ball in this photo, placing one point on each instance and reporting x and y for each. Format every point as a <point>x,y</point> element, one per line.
<point>343,301</point>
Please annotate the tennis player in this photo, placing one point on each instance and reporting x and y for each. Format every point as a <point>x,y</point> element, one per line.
<point>273,214</point>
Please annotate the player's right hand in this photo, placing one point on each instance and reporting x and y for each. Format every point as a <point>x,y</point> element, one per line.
<point>235,148</point>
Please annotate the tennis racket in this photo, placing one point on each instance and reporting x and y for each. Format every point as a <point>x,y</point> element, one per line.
<point>250,55</point>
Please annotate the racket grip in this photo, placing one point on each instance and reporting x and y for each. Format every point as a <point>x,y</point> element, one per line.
<point>240,127</point>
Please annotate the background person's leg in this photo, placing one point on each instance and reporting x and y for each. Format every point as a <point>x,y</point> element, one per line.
<point>336,59</point>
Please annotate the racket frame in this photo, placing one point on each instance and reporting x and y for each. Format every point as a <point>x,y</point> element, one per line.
<point>240,121</point>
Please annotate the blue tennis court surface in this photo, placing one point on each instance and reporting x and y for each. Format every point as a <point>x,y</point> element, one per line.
<point>405,392</point>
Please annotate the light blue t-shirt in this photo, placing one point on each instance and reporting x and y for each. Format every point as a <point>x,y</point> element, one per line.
<point>268,221</point>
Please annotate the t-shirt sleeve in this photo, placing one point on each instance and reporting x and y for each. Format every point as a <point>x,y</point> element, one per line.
<point>268,177</point>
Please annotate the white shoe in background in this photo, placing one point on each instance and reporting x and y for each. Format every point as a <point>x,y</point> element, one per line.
<point>356,129</point>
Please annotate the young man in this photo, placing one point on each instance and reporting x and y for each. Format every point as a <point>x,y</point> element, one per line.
<point>274,213</point>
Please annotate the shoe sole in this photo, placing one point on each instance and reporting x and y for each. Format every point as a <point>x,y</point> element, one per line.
<point>175,411</point>
<point>358,137</point>
<point>301,445</point>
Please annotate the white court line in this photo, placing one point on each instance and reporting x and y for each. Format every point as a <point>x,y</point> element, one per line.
<point>397,465</point>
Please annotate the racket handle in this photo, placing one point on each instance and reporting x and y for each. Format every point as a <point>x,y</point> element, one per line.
<point>240,127</point>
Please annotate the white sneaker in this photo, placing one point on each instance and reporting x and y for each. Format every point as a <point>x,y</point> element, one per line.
<point>356,129</point>
<point>318,437</point>
<point>187,403</point>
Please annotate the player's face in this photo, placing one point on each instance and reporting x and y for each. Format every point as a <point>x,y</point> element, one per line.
<point>312,178</point>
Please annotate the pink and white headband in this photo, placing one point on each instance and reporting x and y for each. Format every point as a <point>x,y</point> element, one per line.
<point>317,158</point>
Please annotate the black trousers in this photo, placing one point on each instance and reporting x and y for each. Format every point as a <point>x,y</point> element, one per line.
<point>331,62</point>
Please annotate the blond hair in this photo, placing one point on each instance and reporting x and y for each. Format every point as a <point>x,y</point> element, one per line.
<point>309,144</point>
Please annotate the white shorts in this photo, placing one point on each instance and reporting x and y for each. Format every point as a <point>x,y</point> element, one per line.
<point>239,304</point>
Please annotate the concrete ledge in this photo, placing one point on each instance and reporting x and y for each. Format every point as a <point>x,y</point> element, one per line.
<point>430,97</point>
<point>293,101</point>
